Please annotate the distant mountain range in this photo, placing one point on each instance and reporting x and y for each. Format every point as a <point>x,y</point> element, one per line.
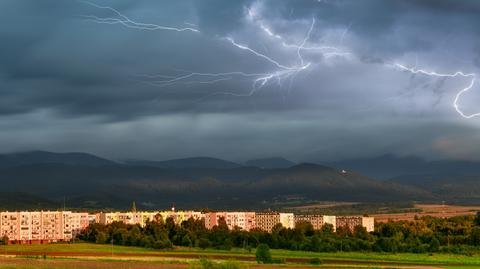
<point>454,181</point>
<point>88,181</point>
<point>92,182</point>
<point>391,166</point>
<point>270,163</point>
<point>38,157</point>
<point>196,162</point>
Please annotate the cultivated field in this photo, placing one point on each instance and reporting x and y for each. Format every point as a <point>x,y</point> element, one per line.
<point>84,255</point>
<point>434,210</point>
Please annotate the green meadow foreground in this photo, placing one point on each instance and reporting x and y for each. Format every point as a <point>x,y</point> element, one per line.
<point>84,255</point>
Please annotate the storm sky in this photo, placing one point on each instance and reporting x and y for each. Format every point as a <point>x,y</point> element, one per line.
<point>309,80</point>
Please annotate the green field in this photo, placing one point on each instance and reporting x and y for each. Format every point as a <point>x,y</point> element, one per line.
<point>181,255</point>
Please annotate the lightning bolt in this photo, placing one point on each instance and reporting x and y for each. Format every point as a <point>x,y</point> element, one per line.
<point>243,47</point>
<point>127,22</point>
<point>459,94</point>
<point>327,51</point>
<point>259,80</point>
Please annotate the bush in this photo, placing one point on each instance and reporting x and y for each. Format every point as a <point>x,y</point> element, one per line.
<point>208,264</point>
<point>229,265</point>
<point>315,261</point>
<point>279,261</point>
<point>162,244</point>
<point>203,243</point>
<point>263,254</point>
<point>4,240</point>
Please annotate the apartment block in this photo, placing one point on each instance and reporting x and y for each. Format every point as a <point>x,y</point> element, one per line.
<point>266,221</point>
<point>352,221</point>
<point>141,218</point>
<point>41,226</point>
<point>180,216</point>
<point>317,221</point>
<point>52,226</point>
<point>368,223</point>
<point>243,220</point>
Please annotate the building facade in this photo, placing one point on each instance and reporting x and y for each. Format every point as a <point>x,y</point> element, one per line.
<point>266,221</point>
<point>53,226</point>
<point>42,226</point>
<point>353,221</point>
<point>141,218</point>
<point>243,220</point>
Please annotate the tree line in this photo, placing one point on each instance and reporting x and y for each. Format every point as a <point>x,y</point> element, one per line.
<point>427,234</point>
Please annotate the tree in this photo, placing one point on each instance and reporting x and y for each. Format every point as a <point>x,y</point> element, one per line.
<point>186,241</point>
<point>434,245</point>
<point>360,232</point>
<point>263,254</point>
<point>101,238</point>
<point>327,229</point>
<point>477,219</point>
<point>4,240</point>
<point>304,227</point>
<point>475,236</point>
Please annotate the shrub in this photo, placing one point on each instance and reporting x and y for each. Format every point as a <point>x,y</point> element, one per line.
<point>315,261</point>
<point>279,261</point>
<point>203,243</point>
<point>208,264</point>
<point>263,254</point>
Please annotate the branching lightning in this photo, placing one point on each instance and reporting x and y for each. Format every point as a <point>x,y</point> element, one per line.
<point>281,70</point>
<point>459,94</point>
<point>259,80</point>
<point>127,22</point>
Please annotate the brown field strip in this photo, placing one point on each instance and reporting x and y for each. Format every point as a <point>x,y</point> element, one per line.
<point>434,210</point>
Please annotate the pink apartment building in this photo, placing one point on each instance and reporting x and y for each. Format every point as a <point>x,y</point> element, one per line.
<point>42,226</point>
<point>53,226</point>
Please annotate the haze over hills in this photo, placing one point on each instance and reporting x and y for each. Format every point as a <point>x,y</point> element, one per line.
<point>270,163</point>
<point>194,162</point>
<point>390,166</point>
<point>454,181</point>
<point>93,182</point>
<point>37,157</point>
<point>209,182</point>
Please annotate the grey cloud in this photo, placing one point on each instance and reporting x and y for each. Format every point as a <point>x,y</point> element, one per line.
<point>86,76</point>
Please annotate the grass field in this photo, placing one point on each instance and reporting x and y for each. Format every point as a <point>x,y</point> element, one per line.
<point>80,255</point>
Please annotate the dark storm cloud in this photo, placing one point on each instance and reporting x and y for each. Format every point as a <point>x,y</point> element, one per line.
<point>79,84</point>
